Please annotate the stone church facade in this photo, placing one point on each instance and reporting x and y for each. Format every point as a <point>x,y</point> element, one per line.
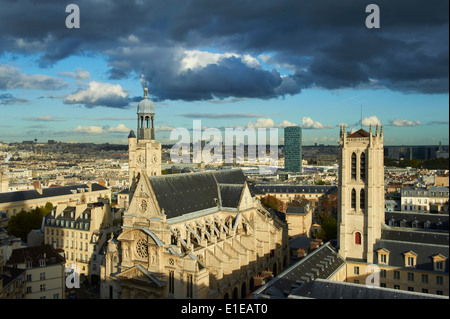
<point>197,235</point>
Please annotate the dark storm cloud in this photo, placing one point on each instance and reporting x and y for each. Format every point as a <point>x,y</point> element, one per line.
<point>324,43</point>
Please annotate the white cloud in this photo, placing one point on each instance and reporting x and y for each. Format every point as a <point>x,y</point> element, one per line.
<point>261,123</point>
<point>370,120</point>
<point>45,118</point>
<point>309,123</point>
<point>401,123</point>
<point>99,94</point>
<point>12,78</point>
<point>92,129</point>
<point>121,128</point>
<point>79,74</point>
<point>285,123</point>
<point>164,128</point>
<point>199,59</point>
<point>96,129</point>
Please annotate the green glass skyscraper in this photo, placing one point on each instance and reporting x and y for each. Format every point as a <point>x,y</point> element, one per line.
<point>293,149</point>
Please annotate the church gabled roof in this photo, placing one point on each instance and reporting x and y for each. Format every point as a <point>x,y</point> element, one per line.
<point>179,194</point>
<point>359,133</point>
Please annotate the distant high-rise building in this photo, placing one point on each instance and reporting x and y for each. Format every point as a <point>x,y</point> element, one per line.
<point>293,149</point>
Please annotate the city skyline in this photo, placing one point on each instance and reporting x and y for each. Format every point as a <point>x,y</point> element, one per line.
<point>236,65</point>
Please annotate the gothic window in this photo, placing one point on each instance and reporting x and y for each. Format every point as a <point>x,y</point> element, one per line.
<point>353,168</point>
<point>362,199</point>
<point>358,238</point>
<point>189,286</point>
<point>171,282</point>
<point>363,166</point>
<point>353,199</point>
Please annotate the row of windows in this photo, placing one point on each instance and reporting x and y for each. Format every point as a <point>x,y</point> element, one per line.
<point>59,243</point>
<point>41,277</point>
<point>425,193</point>
<point>68,234</point>
<point>67,224</point>
<point>425,279</point>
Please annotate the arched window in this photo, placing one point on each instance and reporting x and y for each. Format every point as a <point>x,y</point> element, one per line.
<point>363,166</point>
<point>353,166</point>
<point>362,199</point>
<point>358,238</point>
<point>353,199</point>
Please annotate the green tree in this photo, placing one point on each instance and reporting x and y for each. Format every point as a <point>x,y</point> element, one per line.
<point>273,202</point>
<point>328,229</point>
<point>23,222</point>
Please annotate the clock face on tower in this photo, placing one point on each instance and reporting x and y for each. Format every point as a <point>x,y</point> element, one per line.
<point>141,159</point>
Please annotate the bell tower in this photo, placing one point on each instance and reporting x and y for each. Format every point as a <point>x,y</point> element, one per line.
<point>360,192</point>
<point>144,152</point>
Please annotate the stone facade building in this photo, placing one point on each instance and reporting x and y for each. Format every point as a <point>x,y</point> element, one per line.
<point>196,235</point>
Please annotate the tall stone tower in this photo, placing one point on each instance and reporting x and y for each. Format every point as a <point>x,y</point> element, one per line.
<point>361,192</point>
<point>144,152</point>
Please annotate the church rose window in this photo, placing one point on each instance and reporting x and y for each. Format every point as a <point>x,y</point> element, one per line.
<point>141,248</point>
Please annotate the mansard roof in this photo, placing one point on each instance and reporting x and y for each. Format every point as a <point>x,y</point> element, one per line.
<point>421,244</point>
<point>35,254</point>
<point>418,220</point>
<point>179,194</point>
<point>46,192</point>
<point>331,289</point>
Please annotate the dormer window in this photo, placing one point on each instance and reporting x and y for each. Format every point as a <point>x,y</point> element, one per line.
<point>392,222</point>
<point>439,262</point>
<point>42,262</point>
<point>410,259</point>
<point>383,256</point>
<point>29,263</point>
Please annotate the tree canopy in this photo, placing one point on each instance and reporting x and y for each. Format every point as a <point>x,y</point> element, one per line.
<point>23,222</point>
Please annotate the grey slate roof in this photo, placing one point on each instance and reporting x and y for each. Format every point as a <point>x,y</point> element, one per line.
<point>179,194</point>
<point>321,263</point>
<point>394,219</point>
<point>46,192</point>
<point>330,289</point>
<point>424,245</point>
<point>288,188</point>
<point>424,237</point>
<point>230,194</point>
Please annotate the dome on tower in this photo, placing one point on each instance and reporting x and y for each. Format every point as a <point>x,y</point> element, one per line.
<point>146,106</point>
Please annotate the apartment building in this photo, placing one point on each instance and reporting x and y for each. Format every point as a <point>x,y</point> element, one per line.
<point>426,199</point>
<point>44,271</point>
<point>12,282</point>
<point>79,230</point>
<point>13,202</point>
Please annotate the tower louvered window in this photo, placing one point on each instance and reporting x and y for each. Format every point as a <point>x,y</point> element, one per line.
<point>353,199</point>
<point>353,166</point>
<point>362,199</point>
<point>363,166</point>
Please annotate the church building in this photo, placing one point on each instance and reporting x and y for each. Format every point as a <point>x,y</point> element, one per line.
<point>193,235</point>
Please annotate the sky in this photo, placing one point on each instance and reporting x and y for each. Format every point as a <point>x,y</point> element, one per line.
<point>231,64</point>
